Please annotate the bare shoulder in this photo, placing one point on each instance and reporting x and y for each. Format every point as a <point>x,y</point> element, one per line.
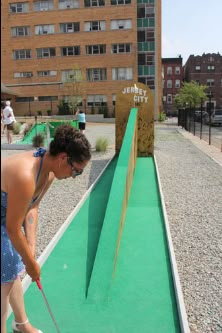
<point>18,170</point>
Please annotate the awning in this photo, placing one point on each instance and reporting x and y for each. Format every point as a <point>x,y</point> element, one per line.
<point>6,90</point>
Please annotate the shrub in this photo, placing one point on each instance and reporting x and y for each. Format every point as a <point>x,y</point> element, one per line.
<point>16,128</point>
<point>161,116</point>
<point>101,144</point>
<point>49,112</point>
<point>39,113</point>
<point>38,140</point>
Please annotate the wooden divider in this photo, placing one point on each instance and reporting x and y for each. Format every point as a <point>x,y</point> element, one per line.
<point>107,252</point>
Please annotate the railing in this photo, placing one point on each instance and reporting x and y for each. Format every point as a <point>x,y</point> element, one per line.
<point>196,123</point>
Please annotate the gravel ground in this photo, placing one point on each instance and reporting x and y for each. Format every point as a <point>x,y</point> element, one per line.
<point>192,188</point>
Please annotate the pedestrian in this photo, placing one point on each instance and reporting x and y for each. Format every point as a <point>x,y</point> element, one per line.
<point>2,119</point>
<point>9,120</point>
<point>81,120</point>
<point>25,179</point>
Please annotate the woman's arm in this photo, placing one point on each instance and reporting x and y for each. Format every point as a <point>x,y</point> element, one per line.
<point>31,219</point>
<point>20,191</point>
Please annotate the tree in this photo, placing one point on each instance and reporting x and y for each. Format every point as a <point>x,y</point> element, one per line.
<point>191,93</point>
<point>73,88</point>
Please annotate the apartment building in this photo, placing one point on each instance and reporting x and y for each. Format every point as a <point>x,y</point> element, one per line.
<point>172,74</point>
<point>98,46</point>
<point>206,70</point>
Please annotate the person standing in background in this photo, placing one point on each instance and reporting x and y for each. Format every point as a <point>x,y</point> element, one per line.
<point>9,120</point>
<point>2,119</point>
<point>82,120</point>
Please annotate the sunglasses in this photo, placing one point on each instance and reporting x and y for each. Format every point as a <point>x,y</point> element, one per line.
<point>75,172</point>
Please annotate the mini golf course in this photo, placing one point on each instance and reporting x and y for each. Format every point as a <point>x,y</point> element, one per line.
<point>110,269</point>
<point>41,128</point>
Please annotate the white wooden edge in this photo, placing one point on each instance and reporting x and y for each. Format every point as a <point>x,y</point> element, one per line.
<point>178,290</point>
<point>49,248</point>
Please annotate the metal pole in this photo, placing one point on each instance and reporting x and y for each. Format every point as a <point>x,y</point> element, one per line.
<point>210,118</point>
<point>29,107</point>
<point>51,104</point>
<point>201,117</point>
<point>35,125</point>
<point>194,123</point>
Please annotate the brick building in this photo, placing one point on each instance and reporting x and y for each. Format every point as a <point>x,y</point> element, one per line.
<point>206,70</point>
<point>100,45</point>
<point>172,74</point>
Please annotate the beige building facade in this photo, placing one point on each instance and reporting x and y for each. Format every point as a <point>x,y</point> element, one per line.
<point>54,49</point>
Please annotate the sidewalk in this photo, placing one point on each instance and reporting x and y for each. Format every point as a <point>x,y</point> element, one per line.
<point>209,150</point>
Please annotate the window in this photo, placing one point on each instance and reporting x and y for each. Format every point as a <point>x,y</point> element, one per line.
<point>122,73</point>
<point>69,27</point>
<point>169,83</point>
<point>20,31</point>
<point>47,73</point>
<point>19,7</point>
<point>120,2</point>
<point>177,84</point>
<point>74,75</point>
<point>47,98</point>
<point>96,100</point>
<point>121,48</point>
<point>140,12</point>
<point>211,68</point>
<point>67,4</point>
<point>210,82</point>
<point>121,24</point>
<point>96,49</point>
<point>43,5</point>
<point>23,74</point>
<point>22,54</point>
<point>197,68</point>
<point>70,51</point>
<point>141,36</point>
<point>150,59</point>
<point>44,29</point>
<point>149,10</point>
<point>94,3</point>
<point>148,22</point>
<point>24,99</point>
<point>169,99</point>
<point>177,70</point>
<point>46,52</point>
<point>96,74</point>
<point>95,26</point>
<point>169,70</point>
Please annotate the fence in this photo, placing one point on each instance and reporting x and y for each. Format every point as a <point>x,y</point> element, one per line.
<point>195,122</point>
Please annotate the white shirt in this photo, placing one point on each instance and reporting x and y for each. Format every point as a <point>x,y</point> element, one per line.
<point>8,115</point>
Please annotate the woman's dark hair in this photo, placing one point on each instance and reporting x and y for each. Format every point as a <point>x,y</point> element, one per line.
<point>69,140</point>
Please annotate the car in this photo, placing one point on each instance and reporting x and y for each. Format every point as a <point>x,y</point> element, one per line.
<point>198,115</point>
<point>216,118</point>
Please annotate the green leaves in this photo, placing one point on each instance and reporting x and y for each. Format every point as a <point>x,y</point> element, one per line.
<point>190,95</point>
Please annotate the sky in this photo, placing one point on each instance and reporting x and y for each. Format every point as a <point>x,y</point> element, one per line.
<point>191,27</point>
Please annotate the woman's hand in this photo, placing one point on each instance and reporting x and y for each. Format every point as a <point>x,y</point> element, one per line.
<point>33,270</point>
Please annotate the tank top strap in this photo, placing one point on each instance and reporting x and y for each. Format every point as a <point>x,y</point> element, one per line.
<point>40,152</point>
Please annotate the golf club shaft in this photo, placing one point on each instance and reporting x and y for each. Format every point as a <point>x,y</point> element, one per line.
<point>47,304</point>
